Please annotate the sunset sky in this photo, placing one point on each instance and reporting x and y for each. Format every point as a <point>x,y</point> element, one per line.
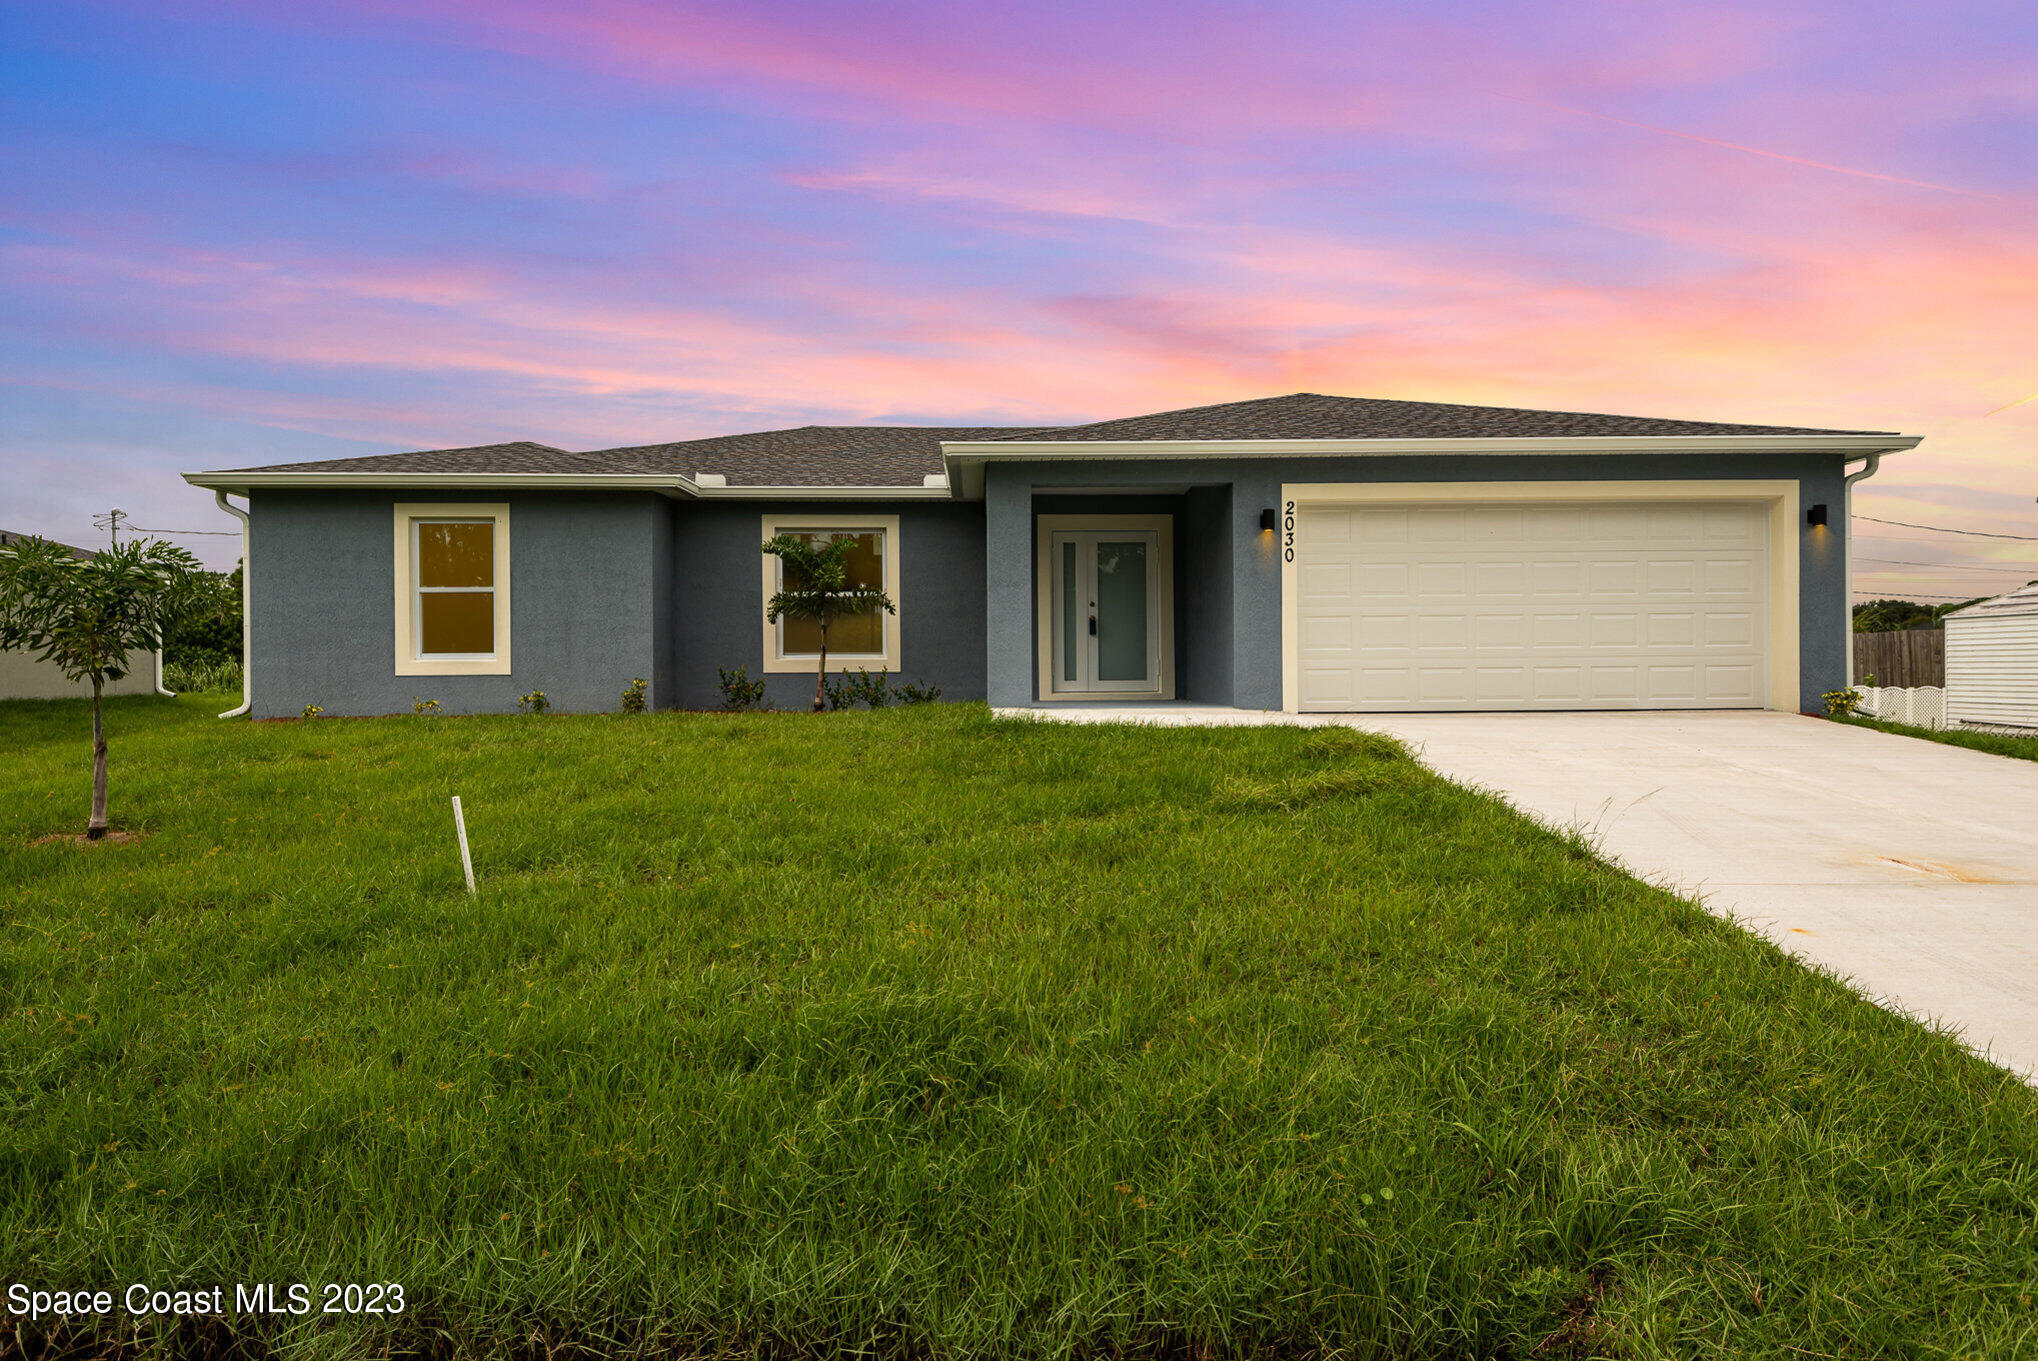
<point>251,233</point>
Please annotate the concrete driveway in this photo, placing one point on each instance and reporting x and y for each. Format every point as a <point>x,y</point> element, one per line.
<point>1910,867</point>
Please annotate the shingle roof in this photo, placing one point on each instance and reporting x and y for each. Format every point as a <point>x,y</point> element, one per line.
<point>518,456</point>
<point>11,537</point>
<point>1312,415</point>
<point>811,455</point>
<point>903,455</point>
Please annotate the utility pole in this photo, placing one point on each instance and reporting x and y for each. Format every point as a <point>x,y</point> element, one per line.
<point>111,522</point>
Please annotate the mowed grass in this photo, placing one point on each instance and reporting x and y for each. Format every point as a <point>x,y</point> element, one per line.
<point>920,1033</point>
<point>1995,743</point>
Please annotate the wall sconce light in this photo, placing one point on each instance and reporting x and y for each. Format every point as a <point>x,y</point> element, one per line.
<point>1270,520</point>
<point>1816,516</point>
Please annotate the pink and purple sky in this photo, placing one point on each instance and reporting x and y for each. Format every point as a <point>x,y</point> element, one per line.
<point>249,233</point>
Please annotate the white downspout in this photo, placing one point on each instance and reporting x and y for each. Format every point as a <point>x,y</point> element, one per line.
<point>247,610</point>
<point>1847,564</point>
<point>159,676</point>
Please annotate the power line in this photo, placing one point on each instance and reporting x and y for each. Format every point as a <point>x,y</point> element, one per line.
<point>1941,529</point>
<point>222,533</point>
<point>1958,566</point>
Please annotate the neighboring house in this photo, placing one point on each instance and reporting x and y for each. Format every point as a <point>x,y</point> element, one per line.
<point>1303,553</point>
<point>23,677</point>
<point>1992,662</point>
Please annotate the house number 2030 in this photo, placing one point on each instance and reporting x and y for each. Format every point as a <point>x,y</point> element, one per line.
<point>1288,531</point>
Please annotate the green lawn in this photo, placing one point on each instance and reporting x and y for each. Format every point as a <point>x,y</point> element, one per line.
<point>922,1034</point>
<point>1999,744</point>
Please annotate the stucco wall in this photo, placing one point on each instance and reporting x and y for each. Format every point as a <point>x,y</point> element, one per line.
<point>718,597</point>
<point>583,590</point>
<point>1254,642</point>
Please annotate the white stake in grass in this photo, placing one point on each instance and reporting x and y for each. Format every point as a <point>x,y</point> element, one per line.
<point>460,826</point>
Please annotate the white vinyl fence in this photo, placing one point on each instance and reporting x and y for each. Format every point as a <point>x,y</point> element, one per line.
<point>1921,706</point>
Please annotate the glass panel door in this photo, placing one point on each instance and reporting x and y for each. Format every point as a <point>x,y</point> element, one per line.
<point>1123,641</point>
<point>1106,601</point>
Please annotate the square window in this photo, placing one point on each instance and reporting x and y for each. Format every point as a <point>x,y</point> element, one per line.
<point>868,640</point>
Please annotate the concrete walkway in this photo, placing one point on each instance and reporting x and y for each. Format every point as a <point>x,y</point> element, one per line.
<point>1910,867</point>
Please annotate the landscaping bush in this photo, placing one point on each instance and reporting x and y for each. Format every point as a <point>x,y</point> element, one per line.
<point>738,690</point>
<point>871,691</point>
<point>202,677</point>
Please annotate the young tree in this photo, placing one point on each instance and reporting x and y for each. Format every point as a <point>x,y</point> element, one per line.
<point>815,585</point>
<point>87,617</point>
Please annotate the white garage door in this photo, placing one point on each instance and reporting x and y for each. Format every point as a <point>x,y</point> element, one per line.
<point>1533,605</point>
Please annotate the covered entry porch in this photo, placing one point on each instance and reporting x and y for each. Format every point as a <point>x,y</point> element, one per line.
<point>1124,594</point>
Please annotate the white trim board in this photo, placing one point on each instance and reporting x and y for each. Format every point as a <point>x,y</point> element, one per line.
<point>1781,497</point>
<point>966,459</point>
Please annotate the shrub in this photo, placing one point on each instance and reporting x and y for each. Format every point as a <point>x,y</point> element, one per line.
<point>864,688</point>
<point>311,711</point>
<point>204,677</point>
<point>633,696</point>
<point>534,703</point>
<point>911,693</point>
<point>424,708</point>
<point>1841,703</point>
<point>835,693</point>
<point>738,690</point>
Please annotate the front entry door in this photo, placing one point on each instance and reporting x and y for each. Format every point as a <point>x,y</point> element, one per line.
<point>1107,611</point>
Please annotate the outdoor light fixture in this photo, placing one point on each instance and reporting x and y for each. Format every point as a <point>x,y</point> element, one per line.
<point>1816,516</point>
<point>1270,520</point>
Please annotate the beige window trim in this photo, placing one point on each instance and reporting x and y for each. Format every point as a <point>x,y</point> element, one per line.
<point>1780,497</point>
<point>848,521</point>
<point>408,662</point>
<point>1044,527</point>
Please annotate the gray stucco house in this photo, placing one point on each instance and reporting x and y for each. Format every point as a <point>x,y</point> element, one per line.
<point>1306,553</point>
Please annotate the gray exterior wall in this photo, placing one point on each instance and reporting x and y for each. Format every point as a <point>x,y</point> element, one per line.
<point>583,600</point>
<point>608,586</point>
<point>604,587</point>
<point>1249,649</point>
<point>718,600</point>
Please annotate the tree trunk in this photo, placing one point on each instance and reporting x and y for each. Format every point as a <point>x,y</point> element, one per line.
<point>821,667</point>
<point>96,828</point>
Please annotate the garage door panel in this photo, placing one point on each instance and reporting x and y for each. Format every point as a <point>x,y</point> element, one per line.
<point>1730,629</point>
<point>1675,577</point>
<point>1501,632</point>
<point>1730,577</point>
<point>1619,630</point>
<point>1441,525</point>
<point>1533,605</point>
<point>1327,581</point>
<point>1502,579</point>
<point>1384,581</point>
<point>1560,683</point>
<point>1616,684</point>
<point>1329,525</point>
<point>1378,526</point>
<point>1327,633</point>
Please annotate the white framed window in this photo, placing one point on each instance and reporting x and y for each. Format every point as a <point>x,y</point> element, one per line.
<point>452,590</point>
<point>869,640</point>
